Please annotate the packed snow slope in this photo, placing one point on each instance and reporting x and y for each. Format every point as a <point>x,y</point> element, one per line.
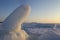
<point>10,29</point>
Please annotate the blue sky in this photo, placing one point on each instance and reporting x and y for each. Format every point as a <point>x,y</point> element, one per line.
<point>42,10</point>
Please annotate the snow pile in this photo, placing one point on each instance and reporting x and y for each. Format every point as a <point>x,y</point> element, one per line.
<point>11,27</point>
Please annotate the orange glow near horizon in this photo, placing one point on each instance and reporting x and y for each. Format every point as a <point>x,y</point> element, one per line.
<point>44,20</point>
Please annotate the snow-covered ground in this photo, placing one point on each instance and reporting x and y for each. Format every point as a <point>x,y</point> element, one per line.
<point>38,30</point>
<point>43,33</point>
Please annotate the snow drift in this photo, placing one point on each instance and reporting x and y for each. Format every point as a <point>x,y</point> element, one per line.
<point>10,29</point>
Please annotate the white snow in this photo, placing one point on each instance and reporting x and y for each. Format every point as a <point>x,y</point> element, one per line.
<point>11,27</point>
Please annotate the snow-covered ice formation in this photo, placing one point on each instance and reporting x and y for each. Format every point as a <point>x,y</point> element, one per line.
<point>10,29</point>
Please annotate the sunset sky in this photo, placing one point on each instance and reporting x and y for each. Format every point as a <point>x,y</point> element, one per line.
<point>43,11</point>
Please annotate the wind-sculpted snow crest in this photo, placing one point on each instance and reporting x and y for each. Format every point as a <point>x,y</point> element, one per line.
<point>10,29</point>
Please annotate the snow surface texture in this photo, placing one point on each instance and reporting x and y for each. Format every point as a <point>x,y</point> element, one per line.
<point>10,29</point>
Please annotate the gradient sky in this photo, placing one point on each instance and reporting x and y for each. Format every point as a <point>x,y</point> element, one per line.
<point>44,11</point>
